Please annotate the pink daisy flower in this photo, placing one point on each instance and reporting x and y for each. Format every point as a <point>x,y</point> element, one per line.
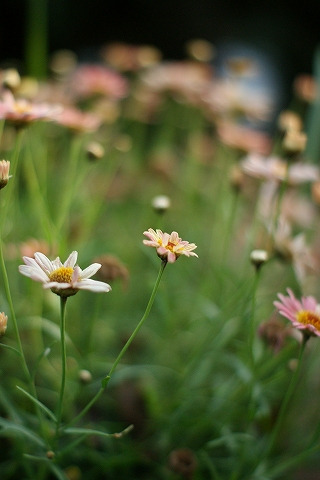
<point>169,247</point>
<point>304,314</point>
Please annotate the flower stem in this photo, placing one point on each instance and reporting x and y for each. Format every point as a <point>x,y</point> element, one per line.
<point>63,301</point>
<point>124,349</point>
<point>284,405</point>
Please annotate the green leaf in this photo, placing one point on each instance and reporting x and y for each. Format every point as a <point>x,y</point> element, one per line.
<point>10,348</point>
<point>9,428</point>
<point>40,404</point>
<point>90,431</point>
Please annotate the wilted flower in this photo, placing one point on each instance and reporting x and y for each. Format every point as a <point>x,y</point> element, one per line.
<point>304,314</point>
<point>64,279</point>
<point>274,333</point>
<point>3,323</point>
<point>169,247</point>
<point>183,461</point>
<point>4,173</point>
<point>112,269</point>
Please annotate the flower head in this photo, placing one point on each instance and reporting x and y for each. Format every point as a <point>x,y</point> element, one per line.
<point>304,314</point>
<point>64,279</point>
<point>169,247</point>
<point>4,173</point>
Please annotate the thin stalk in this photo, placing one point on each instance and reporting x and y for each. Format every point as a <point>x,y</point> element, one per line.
<point>285,403</point>
<point>63,301</point>
<point>124,349</point>
<point>70,182</point>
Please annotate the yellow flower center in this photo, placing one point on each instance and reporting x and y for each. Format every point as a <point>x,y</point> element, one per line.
<point>62,275</point>
<point>170,246</point>
<point>309,318</point>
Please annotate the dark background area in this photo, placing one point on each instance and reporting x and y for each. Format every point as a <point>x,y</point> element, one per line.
<point>288,30</point>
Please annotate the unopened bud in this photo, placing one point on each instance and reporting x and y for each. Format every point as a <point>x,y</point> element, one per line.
<point>161,203</point>
<point>85,376</point>
<point>95,151</point>
<point>258,257</point>
<point>294,142</point>
<point>4,173</point>
<point>11,79</point>
<point>3,323</point>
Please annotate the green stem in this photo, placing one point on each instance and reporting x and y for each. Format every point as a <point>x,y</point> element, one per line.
<point>70,182</point>
<point>36,38</point>
<point>287,398</point>
<point>124,349</point>
<point>63,301</point>
<point>13,182</point>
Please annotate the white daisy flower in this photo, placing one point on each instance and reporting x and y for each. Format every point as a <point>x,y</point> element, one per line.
<point>64,279</point>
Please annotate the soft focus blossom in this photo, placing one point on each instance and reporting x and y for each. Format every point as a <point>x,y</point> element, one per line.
<point>169,247</point>
<point>273,168</point>
<point>125,57</point>
<point>64,279</point>
<point>4,173</point>
<point>3,323</point>
<point>89,80</point>
<point>304,314</point>
<point>305,87</point>
<point>294,250</point>
<point>289,120</point>
<point>21,111</point>
<point>189,79</point>
<point>78,121</point>
<point>244,138</point>
<point>232,100</point>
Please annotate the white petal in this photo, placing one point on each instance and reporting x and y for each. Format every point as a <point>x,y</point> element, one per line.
<point>43,261</point>
<point>60,286</point>
<point>71,260</point>
<point>89,271</point>
<point>92,285</point>
<point>56,263</point>
<point>35,274</point>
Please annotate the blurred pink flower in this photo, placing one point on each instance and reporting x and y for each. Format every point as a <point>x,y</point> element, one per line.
<point>304,314</point>
<point>64,279</point>
<point>77,120</point>
<point>244,138</point>
<point>90,79</point>
<point>21,111</point>
<point>169,247</point>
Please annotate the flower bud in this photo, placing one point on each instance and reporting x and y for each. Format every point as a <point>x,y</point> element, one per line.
<point>4,173</point>
<point>161,203</point>
<point>258,257</point>
<point>3,323</point>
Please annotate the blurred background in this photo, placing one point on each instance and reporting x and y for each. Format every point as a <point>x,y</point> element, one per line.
<point>287,30</point>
